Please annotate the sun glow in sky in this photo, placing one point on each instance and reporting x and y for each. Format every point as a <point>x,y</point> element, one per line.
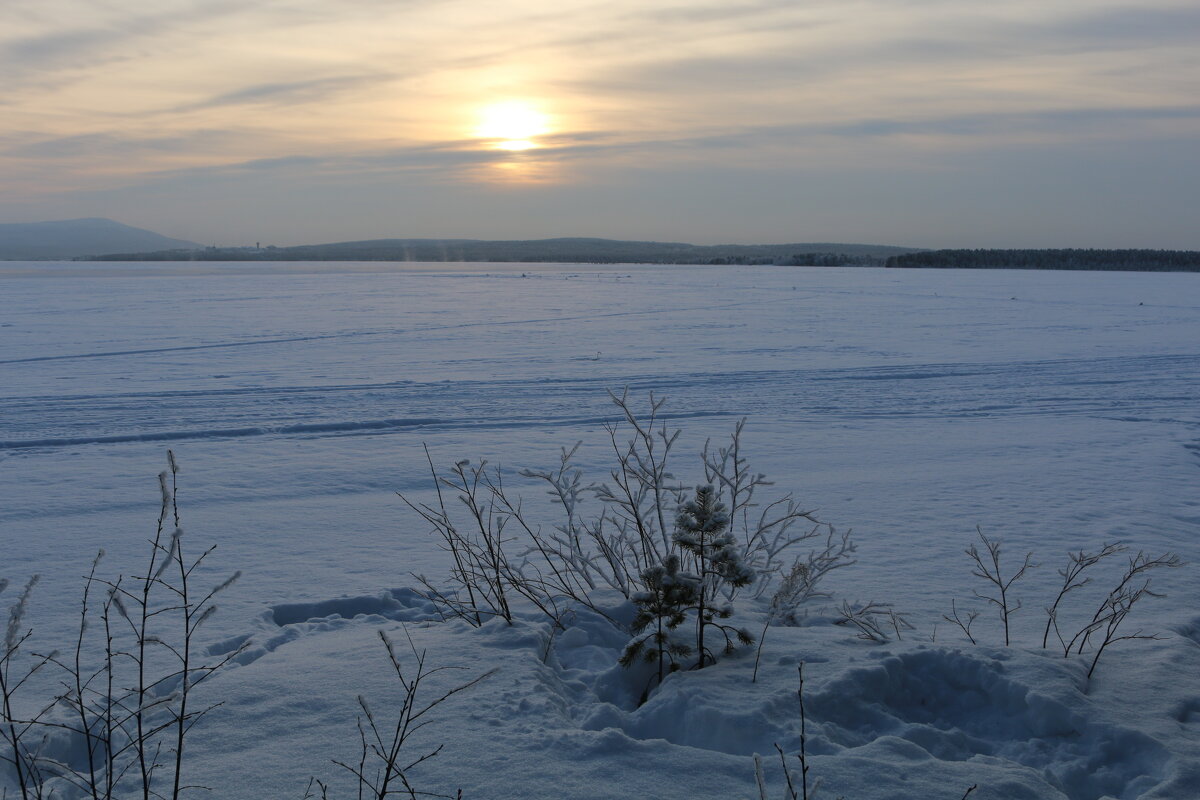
<point>924,123</point>
<point>512,125</point>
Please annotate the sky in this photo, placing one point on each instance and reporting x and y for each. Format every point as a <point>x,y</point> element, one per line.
<point>928,123</point>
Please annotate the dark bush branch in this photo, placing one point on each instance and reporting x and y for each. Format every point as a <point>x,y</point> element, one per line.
<point>386,748</point>
<point>127,691</point>
<point>989,569</point>
<point>13,731</point>
<point>963,624</point>
<point>1071,574</point>
<point>502,556</point>
<point>766,537</point>
<point>480,562</point>
<point>869,619</point>
<point>1118,604</point>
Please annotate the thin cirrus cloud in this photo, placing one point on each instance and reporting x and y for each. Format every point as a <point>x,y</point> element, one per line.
<point>290,93</point>
<point>94,144</point>
<point>1130,25</point>
<point>135,103</point>
<point>448,159</point>
<point>99,34</point>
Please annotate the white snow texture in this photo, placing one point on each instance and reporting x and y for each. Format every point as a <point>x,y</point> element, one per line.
<point>1055,410</point>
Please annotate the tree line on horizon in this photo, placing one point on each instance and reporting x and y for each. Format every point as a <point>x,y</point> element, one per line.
<point>607,251</point>
<point>1070,258</point>
<point>570,250</point>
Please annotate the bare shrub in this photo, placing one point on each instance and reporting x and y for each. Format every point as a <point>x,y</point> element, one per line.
<point>383,766</point>
<point>480,570</point>
<point>1117,605</point>
<point>988,568</point>
<point>963,621</point>
<point>768,534</point>
<point>872,620</point>
<point>127,692</point>
<point>1071,574</point>
<point>499,553</point>
<point>1103,629</point>
<point>16,668</point>
<point>800,583</point>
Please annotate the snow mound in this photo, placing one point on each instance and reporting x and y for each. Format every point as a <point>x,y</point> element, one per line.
<point>958,707</point>
<point>403,605</point>
<point>283,623</point>
<point>1190,630</point>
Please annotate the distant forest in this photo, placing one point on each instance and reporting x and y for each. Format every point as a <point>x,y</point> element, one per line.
<point>571,251</point>
<point>1122,260</point>
<point>610,251</point>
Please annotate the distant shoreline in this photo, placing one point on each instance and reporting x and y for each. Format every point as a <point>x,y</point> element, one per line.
<point>612,252</point>
<point>179,268</point>
<point>104,240</point>
<point>1053,259</point>
<point>556,251</point>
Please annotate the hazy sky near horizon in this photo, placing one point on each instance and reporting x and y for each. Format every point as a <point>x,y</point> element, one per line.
<point>909,122</point>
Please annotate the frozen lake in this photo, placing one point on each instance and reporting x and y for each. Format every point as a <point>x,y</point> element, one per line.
<point>901,403</point>
<point>1054,409</point>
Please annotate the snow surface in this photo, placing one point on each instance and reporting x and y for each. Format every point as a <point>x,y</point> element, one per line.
<point>1056,410</point>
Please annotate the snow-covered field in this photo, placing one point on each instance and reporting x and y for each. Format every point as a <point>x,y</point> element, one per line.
<point>1055,410</point>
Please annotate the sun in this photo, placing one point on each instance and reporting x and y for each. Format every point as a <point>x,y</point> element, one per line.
<point>511,125</point>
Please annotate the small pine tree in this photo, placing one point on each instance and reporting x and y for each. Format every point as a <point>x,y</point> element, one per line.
<point>701,529</point>
<point>662,608</point>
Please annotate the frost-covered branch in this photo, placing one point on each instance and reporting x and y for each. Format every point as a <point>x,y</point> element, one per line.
<point>480,563</point>
<point>1117,605</point>
<point>501,553</point>
<point>1071,574</point>
<point>988,568</point>
<point>127,691</point>
<point>769,533</point>
<point>872,620</point>
<point>383,763</point>
<point>963,622</point>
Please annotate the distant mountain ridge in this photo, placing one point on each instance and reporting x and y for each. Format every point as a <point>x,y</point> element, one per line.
<point>566,250</point>
<point>98,239</point>
<point>79,238</point>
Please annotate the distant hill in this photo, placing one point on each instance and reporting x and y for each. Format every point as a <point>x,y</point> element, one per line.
<point>78,238</point>
<point>572,250</point>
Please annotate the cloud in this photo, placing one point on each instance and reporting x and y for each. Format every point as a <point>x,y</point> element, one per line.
<point>110,145</point>
<point>1070,122</point>
<point>1129,26</point>
<point>900,45</point>
<point>725,12</point>
<point>104,39</point>
<point>290,92</point>
<point>457,161</point>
